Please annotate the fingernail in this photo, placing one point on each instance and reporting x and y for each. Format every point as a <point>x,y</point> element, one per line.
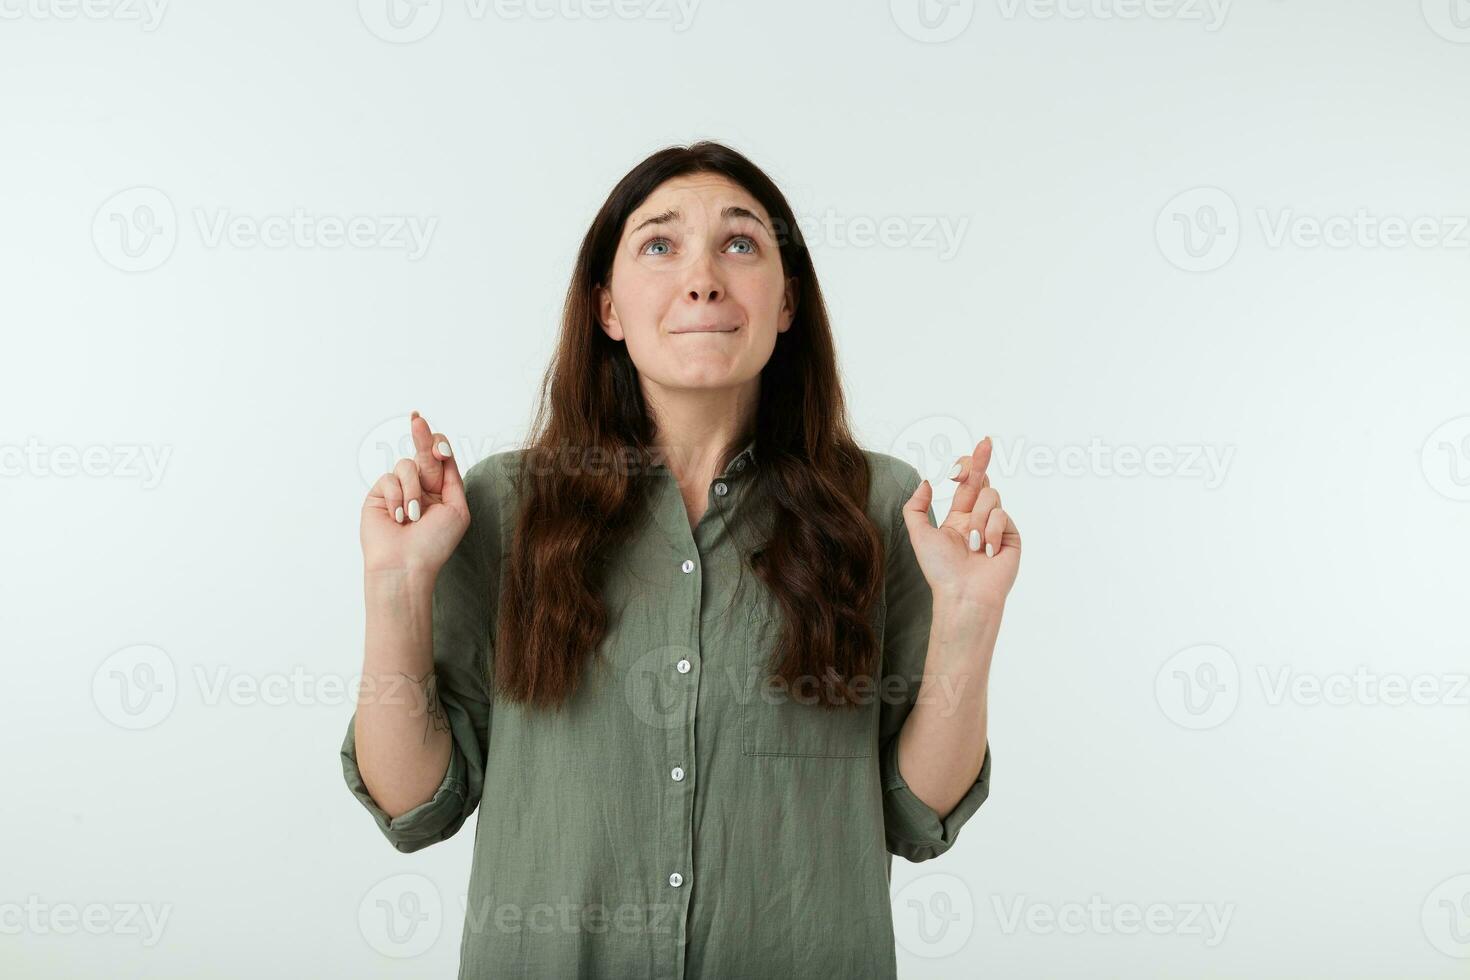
<point>413,415</point>
<point>954,473</point>
<point>398,515</point>
<point>444,449</point>
<point>413,510</point>
<point>989,550</point>
<point>974,539</point>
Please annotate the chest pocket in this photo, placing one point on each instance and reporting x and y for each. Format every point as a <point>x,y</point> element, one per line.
<point>784,720</point>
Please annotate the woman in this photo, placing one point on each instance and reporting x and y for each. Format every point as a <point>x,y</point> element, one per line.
<point>702,662</point>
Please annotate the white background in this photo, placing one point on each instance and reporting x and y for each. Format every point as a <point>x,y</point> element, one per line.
<point>1149,762</point>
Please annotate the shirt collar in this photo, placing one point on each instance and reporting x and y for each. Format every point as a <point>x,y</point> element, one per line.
<point>745,459</point>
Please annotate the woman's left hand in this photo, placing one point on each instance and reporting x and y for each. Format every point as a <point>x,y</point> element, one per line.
<point>974,554</point>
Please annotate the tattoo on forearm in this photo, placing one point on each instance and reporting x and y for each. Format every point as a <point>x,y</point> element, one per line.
<point>435,719</point>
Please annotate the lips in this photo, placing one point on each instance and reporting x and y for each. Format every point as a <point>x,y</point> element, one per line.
<point>708,328</point>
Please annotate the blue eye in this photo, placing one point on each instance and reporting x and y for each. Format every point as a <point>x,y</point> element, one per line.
<point>652,242</point>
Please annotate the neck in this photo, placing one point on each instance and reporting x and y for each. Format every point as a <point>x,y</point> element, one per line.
<point>699,430</point>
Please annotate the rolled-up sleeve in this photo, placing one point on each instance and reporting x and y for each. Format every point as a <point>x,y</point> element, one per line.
<point>465,593</point>
<point>912,830</point>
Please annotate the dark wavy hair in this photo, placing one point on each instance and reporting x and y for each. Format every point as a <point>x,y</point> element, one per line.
<point>824,558</point>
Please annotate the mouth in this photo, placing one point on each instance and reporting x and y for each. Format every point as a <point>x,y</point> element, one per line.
<point>707,328</point>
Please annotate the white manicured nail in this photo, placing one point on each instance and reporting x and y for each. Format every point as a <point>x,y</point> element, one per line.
<point>444,449</point>
<point>954,473</point>
<point>413,510</point>
<point>398,515</point>
<point>989,550</point>
<point>974,539</point>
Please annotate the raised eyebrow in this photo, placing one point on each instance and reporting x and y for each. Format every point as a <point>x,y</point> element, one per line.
<point>674,214</point>
<point>736,211</point>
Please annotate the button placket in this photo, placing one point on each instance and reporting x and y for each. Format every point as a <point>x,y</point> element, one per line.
<point>706,539</point>
<point>680,738</point>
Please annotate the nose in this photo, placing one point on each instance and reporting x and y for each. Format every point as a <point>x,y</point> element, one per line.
<point>701,276</point>
<point>703,282</point>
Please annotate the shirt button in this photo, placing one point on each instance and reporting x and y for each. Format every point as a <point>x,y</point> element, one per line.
<point>676,879</point>
<point>682,666</point>
<point>740,464</point>
<point>720,489</point>
<point>688,565</point>
<point>678,774</point>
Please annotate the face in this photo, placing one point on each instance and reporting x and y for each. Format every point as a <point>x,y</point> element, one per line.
<point>697,291</point>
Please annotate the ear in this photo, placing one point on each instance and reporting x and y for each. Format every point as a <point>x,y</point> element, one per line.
<point>607,317</point>
<point>788,305</point>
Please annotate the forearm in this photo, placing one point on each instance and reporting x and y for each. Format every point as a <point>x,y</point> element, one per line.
<point>401,732</point>
<point>941,746</point>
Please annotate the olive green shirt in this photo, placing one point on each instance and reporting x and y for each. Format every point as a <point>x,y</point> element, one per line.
<point>677,819</point>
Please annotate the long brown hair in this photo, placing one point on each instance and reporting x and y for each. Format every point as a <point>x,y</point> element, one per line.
<point>823,560</point>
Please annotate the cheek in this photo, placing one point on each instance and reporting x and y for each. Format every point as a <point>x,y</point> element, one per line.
<point>640,300</point>
<point>757,290</point>
<point>641,303</point>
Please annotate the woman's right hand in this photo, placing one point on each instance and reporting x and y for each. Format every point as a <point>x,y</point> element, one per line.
<point>415,515</point>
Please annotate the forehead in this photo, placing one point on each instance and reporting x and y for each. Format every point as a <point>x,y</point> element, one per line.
<point>695,197</point>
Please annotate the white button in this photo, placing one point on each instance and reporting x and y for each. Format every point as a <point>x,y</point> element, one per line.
<point>678,774</point>
<point>688,565</point>
<point>676,879</point>
<point>682,666</point>
<point>720,489</point>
